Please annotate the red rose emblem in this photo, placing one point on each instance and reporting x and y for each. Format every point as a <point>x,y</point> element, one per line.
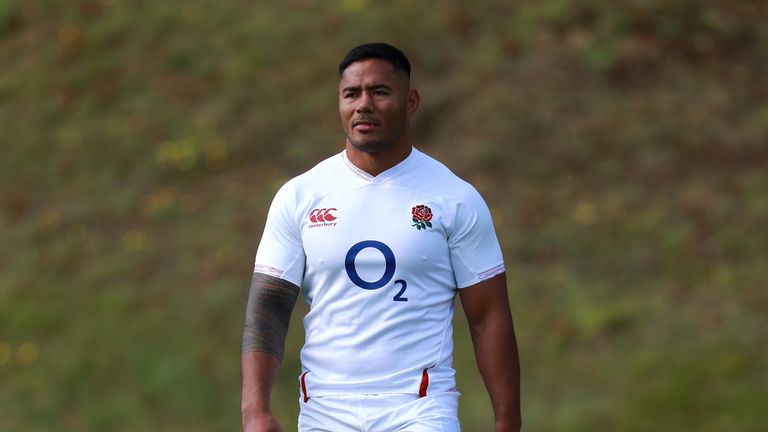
<point>421,216</point>
<point>422,213</point>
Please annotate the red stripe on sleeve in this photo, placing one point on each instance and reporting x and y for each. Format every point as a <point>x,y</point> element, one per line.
<point>304,387</point>
<point>424,383</point>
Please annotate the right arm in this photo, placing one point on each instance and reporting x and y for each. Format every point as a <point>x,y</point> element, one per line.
<point>270,303</point>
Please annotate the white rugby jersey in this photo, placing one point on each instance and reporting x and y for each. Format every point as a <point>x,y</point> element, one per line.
<point>379,260</point>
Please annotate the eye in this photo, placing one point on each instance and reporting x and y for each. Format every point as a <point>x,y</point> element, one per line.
<point>349,95</point>
<point>380,92</point>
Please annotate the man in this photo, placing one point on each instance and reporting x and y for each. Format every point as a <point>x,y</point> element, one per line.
<point>378,239</point>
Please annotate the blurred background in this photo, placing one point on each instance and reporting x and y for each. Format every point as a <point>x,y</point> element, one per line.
<point>622,147</point>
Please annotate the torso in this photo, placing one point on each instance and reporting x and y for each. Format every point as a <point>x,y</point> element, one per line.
<point>380,284</point>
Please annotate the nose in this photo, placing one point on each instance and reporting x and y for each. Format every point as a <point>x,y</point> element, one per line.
<point>364,103</point>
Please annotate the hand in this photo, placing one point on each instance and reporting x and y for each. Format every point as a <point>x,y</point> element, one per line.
<point>261,423</point>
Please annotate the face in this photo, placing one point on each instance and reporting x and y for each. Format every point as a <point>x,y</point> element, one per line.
<point>375,105</point>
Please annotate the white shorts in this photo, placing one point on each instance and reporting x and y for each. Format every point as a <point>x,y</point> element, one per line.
<point>380,413</point>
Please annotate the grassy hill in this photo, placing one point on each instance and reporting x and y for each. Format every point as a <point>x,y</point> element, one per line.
<point>622,147</point>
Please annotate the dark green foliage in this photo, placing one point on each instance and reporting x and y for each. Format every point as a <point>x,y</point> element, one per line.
<point>622,147</point>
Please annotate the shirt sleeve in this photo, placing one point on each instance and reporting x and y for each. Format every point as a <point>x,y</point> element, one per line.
<point>281,252</point>
<point>473,246</point>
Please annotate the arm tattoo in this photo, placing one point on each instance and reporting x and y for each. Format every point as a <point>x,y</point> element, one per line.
<point>267,315</point>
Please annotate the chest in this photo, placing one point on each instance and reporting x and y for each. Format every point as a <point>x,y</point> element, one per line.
<point>374,235</point>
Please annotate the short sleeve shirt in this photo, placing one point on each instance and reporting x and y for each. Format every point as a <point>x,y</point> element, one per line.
<point>379,261</point>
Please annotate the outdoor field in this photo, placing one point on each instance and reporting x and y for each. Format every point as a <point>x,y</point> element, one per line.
<point>622,147</point>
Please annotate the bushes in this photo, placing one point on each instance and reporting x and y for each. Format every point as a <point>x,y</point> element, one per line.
<point>620,146</point>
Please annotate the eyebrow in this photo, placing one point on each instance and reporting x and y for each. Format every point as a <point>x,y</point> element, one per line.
<point>371,87</point>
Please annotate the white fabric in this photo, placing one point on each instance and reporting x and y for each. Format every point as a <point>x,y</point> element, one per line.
<point>374,327</point>
<point>380,413</point>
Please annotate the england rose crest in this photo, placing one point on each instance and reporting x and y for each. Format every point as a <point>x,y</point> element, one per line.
<point>421,216</point>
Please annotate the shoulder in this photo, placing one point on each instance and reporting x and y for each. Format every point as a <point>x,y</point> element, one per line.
<point>320,174</point>
<point>460,201</point>
<point>435,177</point>
<point>321,178</point>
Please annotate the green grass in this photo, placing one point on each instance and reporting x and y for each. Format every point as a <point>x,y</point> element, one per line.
<point>621,147</point>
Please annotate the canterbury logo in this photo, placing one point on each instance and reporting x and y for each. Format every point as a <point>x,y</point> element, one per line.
<point>322,215</point>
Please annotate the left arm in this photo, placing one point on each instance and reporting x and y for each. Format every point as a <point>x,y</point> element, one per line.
<point>486,306</point>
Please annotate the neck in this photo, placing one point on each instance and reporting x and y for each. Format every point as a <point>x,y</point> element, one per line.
<point>378,162</point>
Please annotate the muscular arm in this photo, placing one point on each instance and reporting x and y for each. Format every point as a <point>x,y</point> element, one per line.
<point>270,303</point>
<point>493,335</point>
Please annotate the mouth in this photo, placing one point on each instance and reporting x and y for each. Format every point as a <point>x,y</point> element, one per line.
<point>364,125</point>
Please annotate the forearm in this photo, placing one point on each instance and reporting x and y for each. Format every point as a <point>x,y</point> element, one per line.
<point>270,303</point>
<point>258,371</point>
<point>498,361</point>
<point>493,335</point>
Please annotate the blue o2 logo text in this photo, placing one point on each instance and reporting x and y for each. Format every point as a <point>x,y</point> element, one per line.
<point>389,268</point>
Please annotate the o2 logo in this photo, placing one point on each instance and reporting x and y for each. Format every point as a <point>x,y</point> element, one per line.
<point>389,269</point>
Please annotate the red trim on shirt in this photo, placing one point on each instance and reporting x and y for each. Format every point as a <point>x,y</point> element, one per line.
<point>424,383</point>
<point>304,387</point>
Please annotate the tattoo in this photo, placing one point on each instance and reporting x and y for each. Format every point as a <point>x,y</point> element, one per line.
<point>270,303</point>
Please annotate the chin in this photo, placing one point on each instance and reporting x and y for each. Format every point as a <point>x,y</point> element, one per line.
<point>369,146</point>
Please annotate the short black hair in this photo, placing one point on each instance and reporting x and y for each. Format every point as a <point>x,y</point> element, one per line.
<point>377,50</point>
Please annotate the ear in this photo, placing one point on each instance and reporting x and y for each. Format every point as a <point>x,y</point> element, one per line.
<point>413,101</point>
